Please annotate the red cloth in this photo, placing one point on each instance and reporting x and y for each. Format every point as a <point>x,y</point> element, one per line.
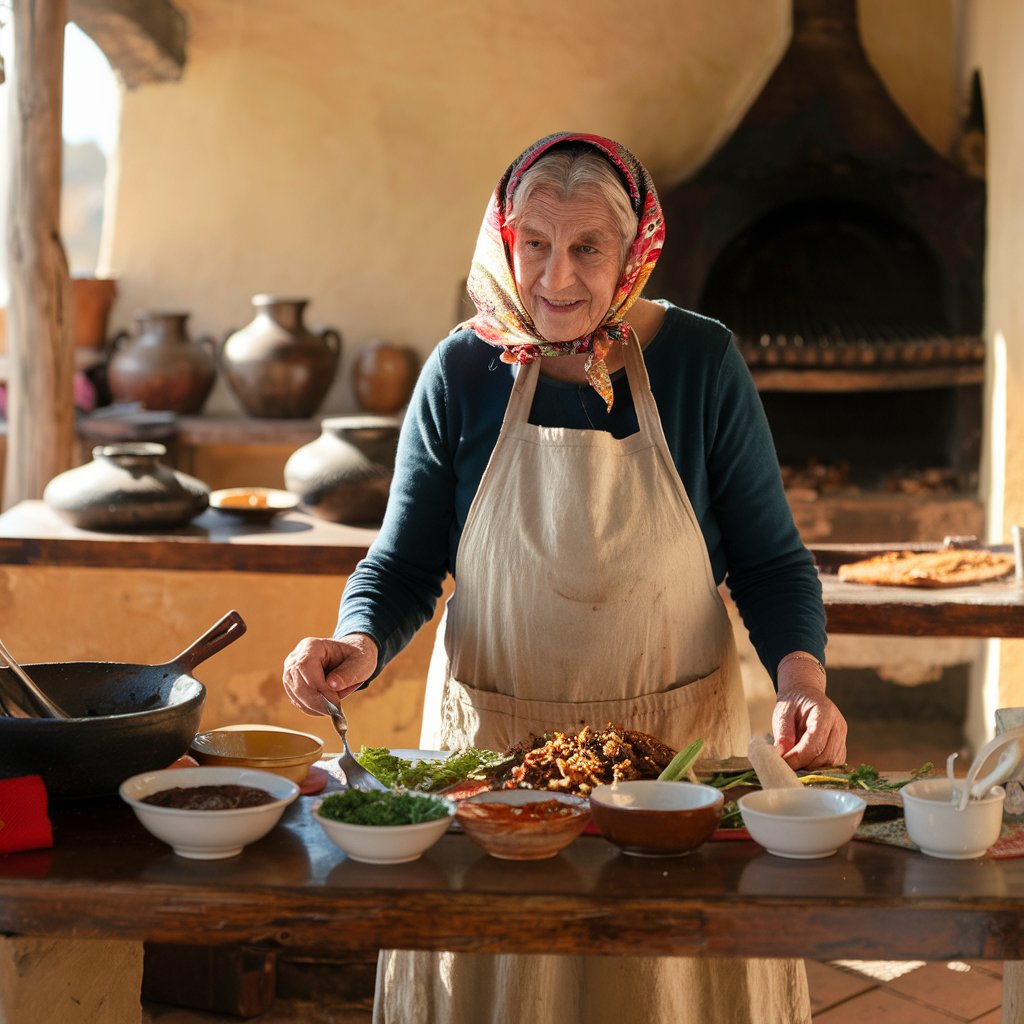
<point>24,823</point>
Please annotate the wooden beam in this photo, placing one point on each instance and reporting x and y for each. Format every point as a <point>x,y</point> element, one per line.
<point>144,40</point>
<point>40,402</point>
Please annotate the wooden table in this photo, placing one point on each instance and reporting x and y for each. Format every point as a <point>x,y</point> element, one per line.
<point>106,878</point>
<point>32,534</point>
<point>994,609</point>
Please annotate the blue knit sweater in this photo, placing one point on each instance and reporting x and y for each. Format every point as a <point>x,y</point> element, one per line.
<point>719,439</point>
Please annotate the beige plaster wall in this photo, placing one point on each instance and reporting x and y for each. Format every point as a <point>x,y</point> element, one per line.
<point>917,48</point>
<point>345,152</point>
<point>997,48</point>
<point>147,617</point>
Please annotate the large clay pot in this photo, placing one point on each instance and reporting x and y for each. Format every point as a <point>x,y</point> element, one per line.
<point>276,367</point>
<point>126,487</point>
<point>383,376</point>
<point>161,367</point>
<point>91,299</point>
<point>345,474</point>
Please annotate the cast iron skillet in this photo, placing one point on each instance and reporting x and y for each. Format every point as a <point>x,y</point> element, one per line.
<point>125,718</point>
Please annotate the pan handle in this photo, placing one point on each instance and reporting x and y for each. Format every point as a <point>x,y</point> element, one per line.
<point>215,639</point>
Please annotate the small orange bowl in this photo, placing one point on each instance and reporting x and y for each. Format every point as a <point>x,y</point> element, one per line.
<point>266,748</point>
<point>523,824</point>
<point>253,504</point>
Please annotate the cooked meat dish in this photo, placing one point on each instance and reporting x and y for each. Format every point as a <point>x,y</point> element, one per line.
<point>577,763</point>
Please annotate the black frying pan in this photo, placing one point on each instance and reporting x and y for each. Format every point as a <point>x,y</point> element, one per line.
<point>125,719</point>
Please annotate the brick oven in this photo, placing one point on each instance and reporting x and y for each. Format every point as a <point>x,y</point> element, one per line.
<point>846,254</point>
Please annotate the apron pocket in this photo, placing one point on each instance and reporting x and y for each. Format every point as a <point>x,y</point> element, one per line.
<point>701,709</point>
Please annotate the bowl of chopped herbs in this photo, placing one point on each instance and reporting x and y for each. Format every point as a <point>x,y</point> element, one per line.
<point>384,826</point>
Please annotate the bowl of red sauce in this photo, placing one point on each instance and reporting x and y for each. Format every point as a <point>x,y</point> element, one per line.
<point>523,824</point>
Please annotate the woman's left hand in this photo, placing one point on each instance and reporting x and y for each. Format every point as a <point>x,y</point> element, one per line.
<point>809,730</point>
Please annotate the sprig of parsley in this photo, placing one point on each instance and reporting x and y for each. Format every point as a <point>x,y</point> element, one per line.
<point>355,807</point>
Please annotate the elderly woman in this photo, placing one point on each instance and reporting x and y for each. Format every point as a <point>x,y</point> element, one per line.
<point>590,466</point>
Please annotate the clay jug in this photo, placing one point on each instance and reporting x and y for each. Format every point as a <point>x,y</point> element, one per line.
<point>345,474</point>
<point>161,367</point>
<point>383,376</point>
<point>276,367</point>
<point>126,487</point>
<point>91,299</point>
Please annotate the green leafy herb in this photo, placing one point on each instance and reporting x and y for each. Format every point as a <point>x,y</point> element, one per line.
<point>864,776</point>
<point>427,776</point>
<point>379,808</point>
<point>724,782</point>
<point>731,815</point>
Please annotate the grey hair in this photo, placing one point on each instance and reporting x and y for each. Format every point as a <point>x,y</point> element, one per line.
<point>570,172</point>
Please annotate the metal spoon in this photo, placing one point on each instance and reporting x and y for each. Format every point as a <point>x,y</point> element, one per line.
<point>36,700</point>
<point>356,775</point>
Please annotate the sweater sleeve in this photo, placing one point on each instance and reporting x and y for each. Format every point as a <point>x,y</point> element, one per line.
<point>770,572</point>
<point>394,589</point>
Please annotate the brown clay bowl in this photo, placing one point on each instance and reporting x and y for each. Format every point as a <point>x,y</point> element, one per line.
<point>523,824</point>
<point>648,818</point>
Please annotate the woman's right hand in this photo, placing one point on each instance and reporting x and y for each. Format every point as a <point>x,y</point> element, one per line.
<point>320,667</point>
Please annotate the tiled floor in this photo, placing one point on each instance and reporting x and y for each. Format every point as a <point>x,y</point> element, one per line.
<point>856,992</point>
<point>901,992</point>
<point>844,992</point>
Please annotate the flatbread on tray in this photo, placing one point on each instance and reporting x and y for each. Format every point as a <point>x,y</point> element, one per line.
<point>953,568</point>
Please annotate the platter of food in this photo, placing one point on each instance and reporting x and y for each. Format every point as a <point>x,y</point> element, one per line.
<point>575,763</point>
<point>929,569</point>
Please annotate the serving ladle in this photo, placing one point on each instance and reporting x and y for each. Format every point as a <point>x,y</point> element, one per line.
<point>35,700</point>
<point>356,775</point>
<point>1007,745</point>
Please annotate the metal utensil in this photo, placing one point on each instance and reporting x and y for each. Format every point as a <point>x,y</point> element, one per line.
<point>1004,767</point>
<point>356,775</point>
<point>36,701</point>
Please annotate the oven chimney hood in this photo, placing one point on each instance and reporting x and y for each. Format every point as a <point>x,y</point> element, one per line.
<point>825,231</point>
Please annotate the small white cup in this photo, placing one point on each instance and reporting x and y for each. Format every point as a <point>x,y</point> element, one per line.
<point>940,830</point>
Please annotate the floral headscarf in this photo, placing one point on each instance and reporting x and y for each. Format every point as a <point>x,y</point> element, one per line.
<point>502,319</point>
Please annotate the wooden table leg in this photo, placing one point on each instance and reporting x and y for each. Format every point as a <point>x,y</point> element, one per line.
<point>1013,992</point>
<point>70,981</point>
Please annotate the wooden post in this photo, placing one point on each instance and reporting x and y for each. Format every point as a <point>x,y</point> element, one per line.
<point>40,402</point>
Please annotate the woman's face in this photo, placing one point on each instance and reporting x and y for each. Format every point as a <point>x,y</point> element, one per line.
<point>567,257</point>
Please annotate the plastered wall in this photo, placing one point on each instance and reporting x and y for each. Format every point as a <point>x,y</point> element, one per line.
<point>345,152</point>
<point>996,38</point>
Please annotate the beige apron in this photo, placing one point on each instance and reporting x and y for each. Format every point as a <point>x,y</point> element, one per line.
<point>584,594</point>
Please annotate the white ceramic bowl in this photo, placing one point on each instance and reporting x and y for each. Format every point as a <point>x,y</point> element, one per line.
<point>802,824</point>
<point>208,835</point>
<point>386,844</point>
<point>940,830</point>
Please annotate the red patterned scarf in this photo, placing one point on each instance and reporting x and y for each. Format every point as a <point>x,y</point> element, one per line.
<point>502,319</point>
